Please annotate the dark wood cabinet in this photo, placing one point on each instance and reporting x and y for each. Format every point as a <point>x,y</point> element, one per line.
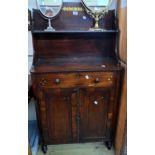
<point>76,78</point>
<point>77,107</point>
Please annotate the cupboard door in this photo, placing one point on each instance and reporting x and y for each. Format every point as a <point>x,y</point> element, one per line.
<point>61,110</point>
<point>93,114</point>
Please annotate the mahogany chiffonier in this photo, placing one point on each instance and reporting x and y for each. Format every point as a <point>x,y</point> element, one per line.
<point>76,78</point>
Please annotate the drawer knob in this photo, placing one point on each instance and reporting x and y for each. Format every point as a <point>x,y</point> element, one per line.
<point>109,79</point>
<point>57,81</point>
<point>97,80</point>
<point>95,102</point>
<point>87,77</point>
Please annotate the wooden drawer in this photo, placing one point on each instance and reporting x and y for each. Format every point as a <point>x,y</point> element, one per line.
<point>58,80</point>
<point>83,79</point>
<point>96,79</point>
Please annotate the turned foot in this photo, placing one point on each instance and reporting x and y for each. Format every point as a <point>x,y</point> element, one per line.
<point>44,148</point>
<point>109,145</point>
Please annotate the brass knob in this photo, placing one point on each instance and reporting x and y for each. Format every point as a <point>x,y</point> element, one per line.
<point>97,80</point>
<point>109,79</point>
<point>87,77</point>
<point>95,102</point>
<point>57,81</point>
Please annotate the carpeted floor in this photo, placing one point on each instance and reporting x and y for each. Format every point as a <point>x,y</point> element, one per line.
<point>78,149</point>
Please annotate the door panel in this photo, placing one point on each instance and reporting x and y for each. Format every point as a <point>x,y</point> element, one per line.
<point>93,114</point>
<point>60,118</point>
<point>76,116</point>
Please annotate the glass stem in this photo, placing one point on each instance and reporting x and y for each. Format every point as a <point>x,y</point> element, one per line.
<point>49,23</point>
<point>97,22</point>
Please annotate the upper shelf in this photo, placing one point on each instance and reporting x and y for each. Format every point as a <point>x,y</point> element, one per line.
<point>73,32</point>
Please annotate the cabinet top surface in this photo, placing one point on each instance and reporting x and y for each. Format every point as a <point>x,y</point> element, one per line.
<point>75,64</point>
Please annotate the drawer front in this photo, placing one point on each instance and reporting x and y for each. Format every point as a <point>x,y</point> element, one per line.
<point>57,80</point>
<point>96,79</point>
<point>83,79</point>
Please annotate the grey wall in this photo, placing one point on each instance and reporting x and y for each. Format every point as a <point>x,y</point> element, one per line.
<point>33,3</point>
<point>31,110</point>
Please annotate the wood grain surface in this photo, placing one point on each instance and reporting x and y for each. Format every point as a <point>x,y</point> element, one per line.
<point>122,120</point>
